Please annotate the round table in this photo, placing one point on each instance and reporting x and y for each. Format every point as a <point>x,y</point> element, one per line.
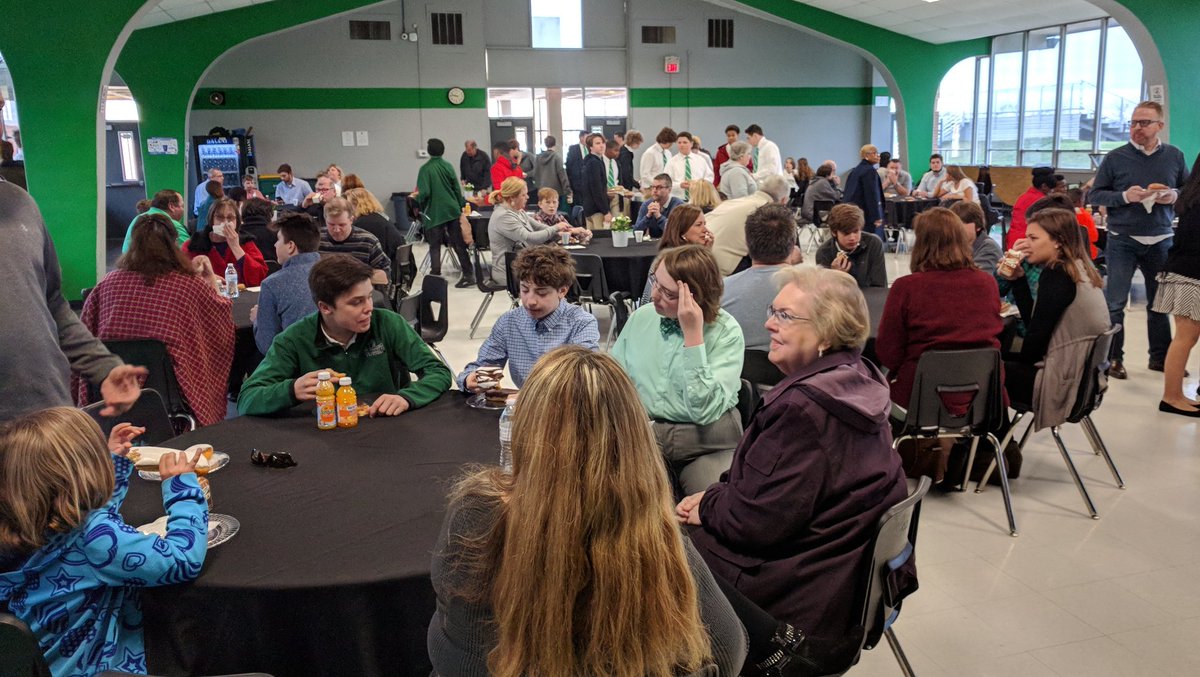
<point>901,211</point>
<point>625,268</point>
<point>329,574</point>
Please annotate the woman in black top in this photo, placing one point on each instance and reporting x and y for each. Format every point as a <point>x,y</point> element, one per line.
<point>1179,295</point>
<point>1054,242</point>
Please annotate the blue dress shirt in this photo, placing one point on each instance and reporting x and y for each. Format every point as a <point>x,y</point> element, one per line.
<point>519,340</point>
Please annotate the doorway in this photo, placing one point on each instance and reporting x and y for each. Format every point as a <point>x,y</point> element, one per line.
<point>507,129</point>
<point>607,126</point>
<point>124,184</point>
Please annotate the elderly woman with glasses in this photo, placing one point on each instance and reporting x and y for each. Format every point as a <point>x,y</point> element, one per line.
<point>791,523</point>
<point>684,355</point>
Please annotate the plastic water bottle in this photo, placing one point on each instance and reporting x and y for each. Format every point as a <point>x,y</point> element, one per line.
<point>506,417</point>
<point>231,281</point>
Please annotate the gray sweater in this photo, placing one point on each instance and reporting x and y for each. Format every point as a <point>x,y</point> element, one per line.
<point>461,633</point>
<point>43,338</point>
<point>736,181</point>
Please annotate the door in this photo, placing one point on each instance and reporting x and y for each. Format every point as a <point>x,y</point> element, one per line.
<point>606,126</point>
<point>123,177</point>
<point>521,129</point>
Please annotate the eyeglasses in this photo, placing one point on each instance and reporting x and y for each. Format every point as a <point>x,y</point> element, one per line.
<point>668,295</point>
<point>783,316</point>
<point>278,459</point>
<point>1143,123</point>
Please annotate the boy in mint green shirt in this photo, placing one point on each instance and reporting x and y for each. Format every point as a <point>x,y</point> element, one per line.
<point>374,347</point>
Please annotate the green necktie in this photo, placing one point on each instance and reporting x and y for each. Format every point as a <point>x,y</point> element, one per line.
<point>755,156</point>
<point>687,175</point>
<point>612,179</point>
<point>664,160</point>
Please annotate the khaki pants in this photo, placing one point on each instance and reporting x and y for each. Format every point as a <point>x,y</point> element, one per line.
<point>618,206</point>
<point>699,453</point>
<point>596,221</point>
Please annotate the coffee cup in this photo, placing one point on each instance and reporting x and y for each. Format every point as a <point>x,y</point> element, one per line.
<point>565,238</point>
<point>639,235</point>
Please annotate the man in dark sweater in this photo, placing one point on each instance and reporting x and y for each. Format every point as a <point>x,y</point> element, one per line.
<point>850,250</point>
<point>1139,183</point>
<point>45,339</point>
<point>864,188</point>
<point>475,166</point>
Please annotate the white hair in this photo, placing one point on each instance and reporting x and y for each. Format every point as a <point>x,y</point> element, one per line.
<point>739,150</point>
<point>775,186</point>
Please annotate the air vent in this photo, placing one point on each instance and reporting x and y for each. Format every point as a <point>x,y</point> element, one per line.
<point>447,28</point>
<point>720,33</point>
<point>658,35</point>
<point>370,30</point>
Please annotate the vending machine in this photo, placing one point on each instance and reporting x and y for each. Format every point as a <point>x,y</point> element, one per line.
<point>233,154</point>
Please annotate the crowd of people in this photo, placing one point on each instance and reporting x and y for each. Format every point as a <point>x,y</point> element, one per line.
<point>750,527</point>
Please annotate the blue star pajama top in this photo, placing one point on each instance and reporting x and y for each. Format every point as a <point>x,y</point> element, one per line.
<point>79,593</point>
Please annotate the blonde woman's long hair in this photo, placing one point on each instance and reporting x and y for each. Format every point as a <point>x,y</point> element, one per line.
<point>363,201</point>
<point>509,189</point>
<point>54,470</point>
<point>584,565</point>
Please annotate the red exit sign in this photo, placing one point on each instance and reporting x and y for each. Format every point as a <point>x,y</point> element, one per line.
<point>672,64</point>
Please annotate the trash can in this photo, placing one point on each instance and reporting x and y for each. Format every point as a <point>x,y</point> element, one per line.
<point>400,206</point>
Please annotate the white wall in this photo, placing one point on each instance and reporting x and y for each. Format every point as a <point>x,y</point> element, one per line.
<point>321,56</point>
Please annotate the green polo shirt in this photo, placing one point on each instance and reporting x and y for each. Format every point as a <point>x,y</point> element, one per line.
<point>181,234</point>
<point>378,361</point>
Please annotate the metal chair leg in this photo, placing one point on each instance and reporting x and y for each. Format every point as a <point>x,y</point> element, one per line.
<point>966,480</point>
<point>1089,429</point>
<point>898,652</point>
<point>1008,436</point>
<point>1062,448</point>
<point>483,306</point>
<point>1012,520</point>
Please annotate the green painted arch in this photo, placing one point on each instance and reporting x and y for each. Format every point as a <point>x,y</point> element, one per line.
<point>912,68</point>
<point>165,80</point>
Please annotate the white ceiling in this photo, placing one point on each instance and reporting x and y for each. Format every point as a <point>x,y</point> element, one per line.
<point>177,10</point>
<point>938,22</point>
<point>950,20</point>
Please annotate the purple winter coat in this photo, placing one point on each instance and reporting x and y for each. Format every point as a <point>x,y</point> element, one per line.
<point>790,522</point>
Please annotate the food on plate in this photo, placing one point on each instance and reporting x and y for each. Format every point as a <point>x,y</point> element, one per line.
<point>499,396</point>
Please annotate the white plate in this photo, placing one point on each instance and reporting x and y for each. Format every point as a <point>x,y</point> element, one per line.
<point>148,465</point>
<point>254,289</point>
<point>221,528</point>
<point>479,401</point>
<point>574,246</point>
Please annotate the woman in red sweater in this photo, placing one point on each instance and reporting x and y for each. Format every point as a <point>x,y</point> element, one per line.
<point>222,242</point>
<point>946,304</point>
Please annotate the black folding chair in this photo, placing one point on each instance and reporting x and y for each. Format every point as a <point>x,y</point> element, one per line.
<point>152,354</point>
<point>957,393</point>
<point>434,317</point>
<point>148,412</point>
<point>1087,399</point>
<point>821,209</point>
<point>404,270</point>
<point>485,284</point>
<point>591,286</point>
<point>759,370</point>
<point>893,545</point>
<point>410,310</point>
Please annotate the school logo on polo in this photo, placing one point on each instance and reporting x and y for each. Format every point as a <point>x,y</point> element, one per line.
<point>376,348</point>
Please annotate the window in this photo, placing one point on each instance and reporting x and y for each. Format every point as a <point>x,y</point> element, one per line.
<point>119,105</point>
<point>720,33</point>
<point>658,35</point>
<point>557,24</point>
<point>1077,122</point>
<point>1051,96</point>
<point>516,102</point>
<point>370,30</point>
<point>1122,87</point>
<point>606,102</point>
<point>1041,96</point>
<point>129,157</point>
<point>447,28</point>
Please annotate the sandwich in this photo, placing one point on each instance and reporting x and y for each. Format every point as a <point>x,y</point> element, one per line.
<point>499,396</point>
<point>1012,259</point>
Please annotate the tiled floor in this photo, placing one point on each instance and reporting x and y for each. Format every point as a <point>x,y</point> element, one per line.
<point>1069,596</point>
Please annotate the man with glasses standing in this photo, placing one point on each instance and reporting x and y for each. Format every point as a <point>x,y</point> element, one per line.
<point>1139,183</point>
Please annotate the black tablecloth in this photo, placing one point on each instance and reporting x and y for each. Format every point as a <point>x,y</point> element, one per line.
<point>900,212</point>
<point>625,268</point>
<point>329,574</point>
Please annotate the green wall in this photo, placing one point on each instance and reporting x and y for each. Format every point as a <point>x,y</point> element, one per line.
<point>164,64</point>
<point>58,84</point>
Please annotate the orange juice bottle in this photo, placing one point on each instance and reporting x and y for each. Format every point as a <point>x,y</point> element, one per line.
<point>347,404</point>
<point>326,402</point>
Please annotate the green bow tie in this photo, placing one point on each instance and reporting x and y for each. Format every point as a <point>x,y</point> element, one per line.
<point>669,326</point>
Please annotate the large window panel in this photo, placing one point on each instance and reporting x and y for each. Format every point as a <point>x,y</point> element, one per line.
<point>557,24</point>
<point>1077,122</point>
<point>981,109</point>
<point>607,101</point>
<point>516,102</point>
<point>1004,121</point>
<point>956,113</point>
<point>1041,91</point>
<point>1122,87</point>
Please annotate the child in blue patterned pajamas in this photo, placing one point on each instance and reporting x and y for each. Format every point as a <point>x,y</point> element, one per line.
<point>70,567</point>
